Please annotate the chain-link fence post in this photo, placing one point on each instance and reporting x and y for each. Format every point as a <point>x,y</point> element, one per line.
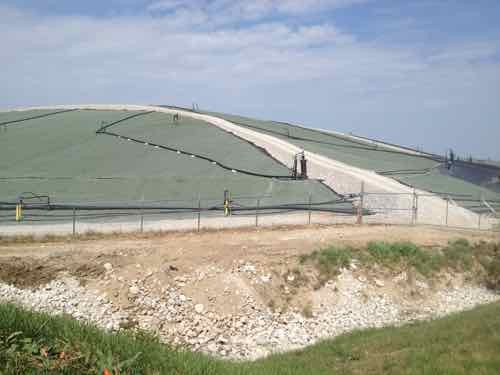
<point>142,216</point>
<point>74,221</point>
<point>416,208</point>
<point>141,226</point>
<point>361,203</point>
<point>199,214</point>
<point>309,201</point>
<point>447,210</point>
<point>257,213</point>
<point>413,207</point>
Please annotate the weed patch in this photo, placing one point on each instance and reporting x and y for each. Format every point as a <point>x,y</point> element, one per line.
<point>458,255</point>
<point>395,255</point>
<point>329,261</point>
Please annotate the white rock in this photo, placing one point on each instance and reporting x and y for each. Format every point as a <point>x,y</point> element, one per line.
<point>108,267</point>
<point>265,278</point>
<point>212,347</point>
<point>261,340</point>
<point>133,290</point>
<point>222,340</point>
<point>199,308</point>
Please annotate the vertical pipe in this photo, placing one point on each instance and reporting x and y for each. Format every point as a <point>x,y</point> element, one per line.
<point>309,214</point>
<point>74,221</point>
<point>19,211</point>
<point>257,213</point>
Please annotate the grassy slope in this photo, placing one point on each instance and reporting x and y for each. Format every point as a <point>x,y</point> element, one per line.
<point>372,160</point>
<point>66,152</point>
<point>466,343</point>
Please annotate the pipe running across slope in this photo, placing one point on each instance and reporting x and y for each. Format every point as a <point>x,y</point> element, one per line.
<point>341,177</point>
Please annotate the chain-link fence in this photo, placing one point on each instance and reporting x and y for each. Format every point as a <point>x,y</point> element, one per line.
<point>196,214</point>
<point>44,217</point>
<point>429,209</point>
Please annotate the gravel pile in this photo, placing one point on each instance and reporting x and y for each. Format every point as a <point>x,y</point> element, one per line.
<point>254,331</point>
<point>66,296</point>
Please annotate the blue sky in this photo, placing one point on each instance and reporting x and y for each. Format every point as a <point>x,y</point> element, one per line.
<point>423,73</point>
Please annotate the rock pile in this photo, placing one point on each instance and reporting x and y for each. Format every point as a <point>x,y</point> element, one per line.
<point>350,302</point>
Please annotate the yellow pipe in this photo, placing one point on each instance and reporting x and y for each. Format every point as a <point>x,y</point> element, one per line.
<point>19,212</point>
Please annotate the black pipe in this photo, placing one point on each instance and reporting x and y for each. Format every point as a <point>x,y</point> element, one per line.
<point>36,117</point>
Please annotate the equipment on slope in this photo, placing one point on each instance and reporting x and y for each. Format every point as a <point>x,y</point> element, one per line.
<point>294,169</point>
<point>450,159</point>
<point>19,211</point>
<point>303,166</point>
<point>227,203</point>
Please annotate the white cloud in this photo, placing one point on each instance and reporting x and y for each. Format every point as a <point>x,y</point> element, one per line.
<point>266,69</point>
<point>165,5</point>
<point>219,12</point>
<point>306,6</point>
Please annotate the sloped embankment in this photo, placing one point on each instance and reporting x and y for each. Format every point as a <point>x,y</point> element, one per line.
<point>250,307</point>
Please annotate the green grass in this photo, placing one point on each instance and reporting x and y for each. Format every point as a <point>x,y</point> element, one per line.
<point>329,261</point>
<point>458,255</point>
<point>466,343</point>
<point>405,254</point>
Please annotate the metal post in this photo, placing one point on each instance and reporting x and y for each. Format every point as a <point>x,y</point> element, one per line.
<point>74,222</point>
<point>142,214</point>
<point>257,213</point>
<point>416,208</point>
<point>413,207</point>
<point>199,213</point>
<point>309,214</point>
<point>479,221</point>
<point>447,209</point>
<point>361,203</point>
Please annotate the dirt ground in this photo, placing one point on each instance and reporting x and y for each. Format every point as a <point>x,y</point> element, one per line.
<point>228,272</point>
<point>35,263</point>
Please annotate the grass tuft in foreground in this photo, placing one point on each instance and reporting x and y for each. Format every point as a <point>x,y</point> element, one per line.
<point>465,343</point>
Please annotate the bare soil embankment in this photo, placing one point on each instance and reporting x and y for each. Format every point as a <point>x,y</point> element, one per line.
<point>245,293</point>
